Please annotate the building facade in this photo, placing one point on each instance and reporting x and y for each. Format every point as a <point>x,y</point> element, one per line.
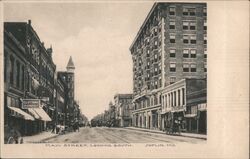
<point>185,101</point>
<point>67,78</point>
<point>29,70</point>
<point>35,95</point>
<point>170,46</point>
<point>123,105</point>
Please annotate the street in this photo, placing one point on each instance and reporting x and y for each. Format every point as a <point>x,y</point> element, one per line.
<point>118,135</point>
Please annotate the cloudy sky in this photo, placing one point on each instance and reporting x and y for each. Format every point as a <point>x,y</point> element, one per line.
<point>96,35</point>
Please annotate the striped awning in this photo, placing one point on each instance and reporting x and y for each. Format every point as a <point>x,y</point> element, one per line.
<point>40,114</point>
<point>21,113</point>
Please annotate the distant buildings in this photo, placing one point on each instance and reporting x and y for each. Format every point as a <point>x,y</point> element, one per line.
<point>170,46</point>
<point>35,95</point>
<point>119,114</point>
<point>123,105</point>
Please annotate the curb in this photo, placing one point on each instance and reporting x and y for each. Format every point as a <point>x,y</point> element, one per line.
<point>159,132</point>
<point>48,138</point>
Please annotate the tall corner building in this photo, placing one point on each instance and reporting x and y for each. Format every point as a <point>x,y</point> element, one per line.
<point>68,77</point>
<point>171,45</point>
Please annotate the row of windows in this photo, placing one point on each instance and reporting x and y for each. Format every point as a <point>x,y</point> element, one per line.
<point>187,25</point>
<point>187,11</point>
<point>16,72</point>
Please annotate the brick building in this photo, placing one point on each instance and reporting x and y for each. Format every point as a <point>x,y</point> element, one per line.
<point>29,75</point>
<point>68,79</point>
<point>123,105</point>
<point>170,46</point>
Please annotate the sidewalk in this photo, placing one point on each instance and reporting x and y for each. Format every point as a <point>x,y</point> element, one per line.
<point>38,138</point>
<point>191,135</point>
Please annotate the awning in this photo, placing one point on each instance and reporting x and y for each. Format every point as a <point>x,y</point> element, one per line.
<point>190,115</point>
<point>23,114</point>
<point>39,113</point>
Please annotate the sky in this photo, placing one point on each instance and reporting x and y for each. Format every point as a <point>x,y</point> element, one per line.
<point>97,36</point>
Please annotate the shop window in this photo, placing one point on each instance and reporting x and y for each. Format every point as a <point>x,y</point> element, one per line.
<point>193,53</point>
<point>193,67</point>
<point>185,53</point>
<point>185,25</point>
<point>172,53</point>
<point>172,11</point>
<point>172,25</point>
<point>185,68</point>
<point>172,67</point>
<point>172,38</point>
<point>185,39</point>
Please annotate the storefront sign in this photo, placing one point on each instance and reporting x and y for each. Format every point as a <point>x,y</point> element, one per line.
<point>30,103</point>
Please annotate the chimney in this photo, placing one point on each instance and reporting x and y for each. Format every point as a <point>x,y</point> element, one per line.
<point>29,22</point>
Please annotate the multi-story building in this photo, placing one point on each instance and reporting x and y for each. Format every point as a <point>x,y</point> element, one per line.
<point>123,105</point>
<point>170,46</point>
<point>68,78</point>
<point>32,73</point>
<point>61,100</point>
<point>185,102</point>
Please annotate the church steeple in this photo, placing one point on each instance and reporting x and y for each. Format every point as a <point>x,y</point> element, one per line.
<point>70,67</point>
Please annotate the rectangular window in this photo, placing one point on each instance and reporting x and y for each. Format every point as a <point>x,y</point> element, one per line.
<point>11,70</point>
<point>5,67</point>
<point>172,80</point>
<point>172,25</point>
<point>193,53</point>
<point>192,11</point>
<point>185,68</point>
<point>172,38</point>
<point>205,39</point>
<point>205,53</point>
<point>205,67</point>
<point>185,39</point>
<point>172,52</point>
<point>205,25</point>
<point>185,25</point>
<point>155,32</point>
<point>204,11</point>
<point>193,67</point>
<point>148,53</point>
<point>172,67</point>
<point>17,74</point>
<point>193,39</point>
<point>185,11</point>
<point>192,25</point>
<point>172,11</point>
<point>185,53</point>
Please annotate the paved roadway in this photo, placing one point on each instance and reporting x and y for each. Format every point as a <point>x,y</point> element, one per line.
<point>119,135</point>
